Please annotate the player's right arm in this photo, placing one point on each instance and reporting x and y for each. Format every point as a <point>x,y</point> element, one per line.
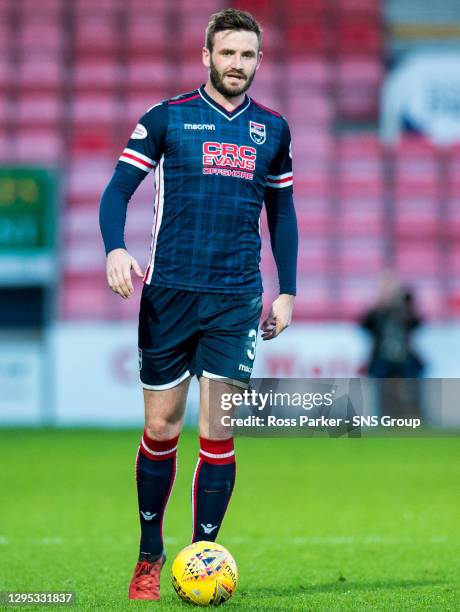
<point>139,157</point>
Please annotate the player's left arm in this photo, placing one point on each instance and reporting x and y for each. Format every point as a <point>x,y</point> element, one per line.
<point>282,225</point>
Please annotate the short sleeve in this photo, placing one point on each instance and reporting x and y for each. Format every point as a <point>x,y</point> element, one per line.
<point>146,144</point>
<point>280,173</point>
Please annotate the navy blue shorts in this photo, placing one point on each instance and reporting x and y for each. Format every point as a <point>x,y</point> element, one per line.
<point>183,333</point>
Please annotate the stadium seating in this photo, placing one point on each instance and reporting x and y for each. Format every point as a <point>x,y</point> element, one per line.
<point>75,78</point>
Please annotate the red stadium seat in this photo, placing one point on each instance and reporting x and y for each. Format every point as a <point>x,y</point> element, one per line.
<point>107,7</point>
<point>84,255</point>
<point>6,112</point>
<point>357,255</point>
<point>308,37</point>
<point>358,87</point>
<point>355,295</point>
<point>146,7</point>
<point>359,35</point>
<point>271,41</point>
<point>263,11</point>
<point>314,255</point>
<point>312,143</point>
<point>417,217</point>
<point>146,35</point>
<point>313,216</point>
<point>39,71</point>
<point>205,7</point>
<point>311,107</point>
<point>84,296</point>
<point>362,174</point>
<point>95,142</point>
<point>314,299</point>
<point>6,146</point>
<point>362,71</point>
<point>296,8</point>
<point>358,104</point>
<point>94,109</point>
<point>40,146</point>
<point>453,263</point>
<point>38,110</point>
<point>44,7</point>
<point>190,75</point>
<point>453,218</point>
<point>87,180</point>
<point>97,74</point>
<point>414,147</point>
<point>369,8</point>
<point>267,76</point>
<point>41,33</point>
<point>191,35</point>
<point>6,37</point>
<point>313,175</point>
<point>137,105</point>
<point>360,145</point>
<point>147,73</point>
<point>361,217</point>
<point>414,257</point>
<point>97,34</point>
<point>306,73</point>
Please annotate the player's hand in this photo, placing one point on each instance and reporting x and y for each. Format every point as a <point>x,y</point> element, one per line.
<point>119,264</point>
<point>279,317</point>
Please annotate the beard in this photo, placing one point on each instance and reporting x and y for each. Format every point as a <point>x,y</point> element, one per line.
<point>217,80</point>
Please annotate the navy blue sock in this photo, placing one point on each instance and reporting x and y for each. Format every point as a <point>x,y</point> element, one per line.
<point>212,487</point>
<point>155,473</point>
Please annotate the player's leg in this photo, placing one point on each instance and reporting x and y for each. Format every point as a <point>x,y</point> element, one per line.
<point>155,474</point>
<point>214,476</point>
<point>224,358</point>
<point>156,463</point>
<point>167,330</point>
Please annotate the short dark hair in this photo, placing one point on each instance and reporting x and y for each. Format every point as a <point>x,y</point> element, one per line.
<point>231,19</point>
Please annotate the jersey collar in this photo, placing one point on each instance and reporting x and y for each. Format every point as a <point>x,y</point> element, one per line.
<point>230,115</point>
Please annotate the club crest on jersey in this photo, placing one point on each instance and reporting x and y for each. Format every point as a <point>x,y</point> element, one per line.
<point>257,132</point>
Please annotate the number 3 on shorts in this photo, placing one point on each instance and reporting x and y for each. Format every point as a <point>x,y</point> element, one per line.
<point>251,352</point>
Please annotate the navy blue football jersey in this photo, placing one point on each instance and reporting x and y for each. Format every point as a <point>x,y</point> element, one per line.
<point>212,169</point>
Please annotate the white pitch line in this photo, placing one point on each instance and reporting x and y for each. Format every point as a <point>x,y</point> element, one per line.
<point>334,540</point>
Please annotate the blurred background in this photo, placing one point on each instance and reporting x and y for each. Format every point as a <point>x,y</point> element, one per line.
<point>371,89</point>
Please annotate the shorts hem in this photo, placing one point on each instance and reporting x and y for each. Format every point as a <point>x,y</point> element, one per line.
<point>233,381</point>
<point>169,385</point>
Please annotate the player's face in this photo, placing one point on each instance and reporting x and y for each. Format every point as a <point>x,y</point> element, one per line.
<point>233,61</point>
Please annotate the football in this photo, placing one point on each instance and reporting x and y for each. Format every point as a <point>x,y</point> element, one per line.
<point>205,574</point>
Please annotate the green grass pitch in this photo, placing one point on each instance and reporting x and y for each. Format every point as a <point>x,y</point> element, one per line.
<point>314,524</point>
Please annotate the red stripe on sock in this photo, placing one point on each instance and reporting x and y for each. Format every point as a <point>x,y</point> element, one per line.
<point>165,448</point>
<point>217,447</point>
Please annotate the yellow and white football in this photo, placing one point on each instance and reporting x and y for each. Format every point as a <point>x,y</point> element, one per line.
<point>204,573</point>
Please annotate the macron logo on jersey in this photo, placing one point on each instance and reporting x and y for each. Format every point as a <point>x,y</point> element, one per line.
<point>199,126</point>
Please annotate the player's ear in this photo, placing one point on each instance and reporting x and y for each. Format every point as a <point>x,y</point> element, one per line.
<point>259,59</point>
<point>206,57</point>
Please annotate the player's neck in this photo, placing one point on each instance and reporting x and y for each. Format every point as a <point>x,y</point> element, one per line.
<point>228,103</point>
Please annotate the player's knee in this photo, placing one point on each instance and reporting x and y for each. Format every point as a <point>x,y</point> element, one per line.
<point>161,429</point>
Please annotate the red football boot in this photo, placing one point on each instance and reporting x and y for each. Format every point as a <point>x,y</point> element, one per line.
<point>145,583</point>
